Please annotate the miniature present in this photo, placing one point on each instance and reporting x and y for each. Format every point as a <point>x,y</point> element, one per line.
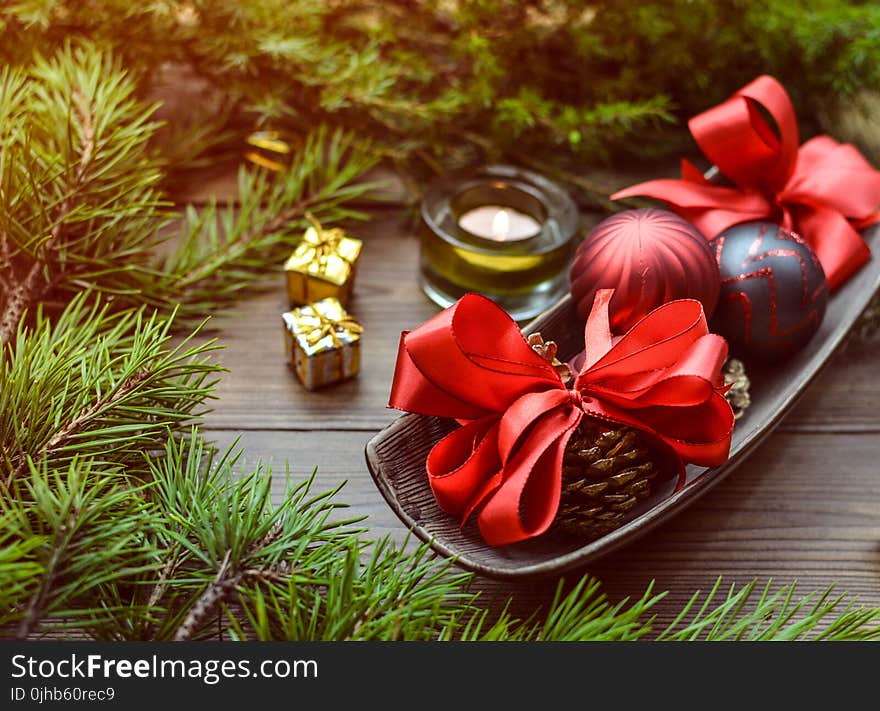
<point>323,342</point>
<point>322,265</point>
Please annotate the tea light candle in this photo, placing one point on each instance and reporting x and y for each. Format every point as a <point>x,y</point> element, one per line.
<point>501,231</point>
<point>501,224</point>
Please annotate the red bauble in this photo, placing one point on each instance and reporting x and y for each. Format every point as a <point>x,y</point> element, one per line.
<point>648,257</point>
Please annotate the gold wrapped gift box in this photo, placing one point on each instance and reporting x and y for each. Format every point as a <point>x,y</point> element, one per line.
<point>323,343</point>
<point>322,265</point>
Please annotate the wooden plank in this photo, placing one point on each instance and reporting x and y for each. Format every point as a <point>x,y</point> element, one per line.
<point>260,392</point>
<point>805,507</point>
<point>846,396</point>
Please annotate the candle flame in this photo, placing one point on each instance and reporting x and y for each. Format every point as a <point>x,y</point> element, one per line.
<point>501,224</point>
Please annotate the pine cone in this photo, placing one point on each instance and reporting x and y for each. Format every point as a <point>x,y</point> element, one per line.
<point>738,395</point>
<point>606,471</point>
<point>547,350</point>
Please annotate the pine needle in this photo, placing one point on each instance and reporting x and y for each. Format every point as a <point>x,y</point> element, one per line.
<point>108,385</point>
<point>84,529</point>
<point>773,616</point>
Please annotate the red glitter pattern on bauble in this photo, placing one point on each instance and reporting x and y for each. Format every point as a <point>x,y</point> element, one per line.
<point>648,257</point>
<point>773,292</point>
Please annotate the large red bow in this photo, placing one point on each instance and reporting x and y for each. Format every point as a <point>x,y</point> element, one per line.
<point>472,363</point>
<point>823,190</point>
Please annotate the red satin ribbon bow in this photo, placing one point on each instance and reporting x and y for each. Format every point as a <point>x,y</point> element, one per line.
<point>472,363</point>
<point>823,190</point>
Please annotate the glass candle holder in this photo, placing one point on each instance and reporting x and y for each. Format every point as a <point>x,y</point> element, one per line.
<point>501,231</point>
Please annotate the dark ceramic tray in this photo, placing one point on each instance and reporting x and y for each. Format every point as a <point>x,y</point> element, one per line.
<point>396,455</point>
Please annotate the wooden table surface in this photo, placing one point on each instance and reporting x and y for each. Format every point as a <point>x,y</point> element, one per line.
<point>804,507</point>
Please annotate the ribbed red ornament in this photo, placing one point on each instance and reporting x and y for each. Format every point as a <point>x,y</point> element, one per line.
<point>648,257</point>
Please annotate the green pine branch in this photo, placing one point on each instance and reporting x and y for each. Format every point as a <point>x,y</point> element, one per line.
<point>78,195</point>
<point>81,210</point>
<point>774,616</point>
<point>199,552</point>
<point>225,533</point>
<point>224,252</point>
<point>96,383</point>
<point>560,79</point>
<point>382,593</point>
<point>85,528</point>
<point>19,566</point>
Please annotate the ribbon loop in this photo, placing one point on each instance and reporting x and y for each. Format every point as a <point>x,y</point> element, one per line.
<point>325,325</point>
<point>822,190</point>
<point>662,377</point>
<point>473,353</point>
<point>472,363</point>
<point>736,137</point>
<point>320,243</point>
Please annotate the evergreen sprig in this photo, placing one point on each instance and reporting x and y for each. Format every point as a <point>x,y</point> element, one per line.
<point>18,566</point>
<point>198,552</point>
<point>224,533</point>
<point>81,210</point>
<point>386,593</point>
<point>222,252</point>
<point>106,385</point>
<point>88,524</point>
<point>775,616</point>
<point>583,613</point>
<point>78,193</point>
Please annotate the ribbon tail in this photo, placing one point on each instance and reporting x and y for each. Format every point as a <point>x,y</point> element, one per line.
<point>840,249</point>
<point>413,391</point>
<point>597,332</point>
<point>710,208</point>
<point>527,497</point>
<point>683,194</point>
<point>460,465</point>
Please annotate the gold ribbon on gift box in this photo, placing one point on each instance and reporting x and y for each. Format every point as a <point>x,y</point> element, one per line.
<point>328,326</point>
<point>322,265</point>
<point>314,322</point>
<point>319,243</point>
<point>323,342</point>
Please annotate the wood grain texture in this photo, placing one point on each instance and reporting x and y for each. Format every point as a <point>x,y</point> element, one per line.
<point>805,506</point>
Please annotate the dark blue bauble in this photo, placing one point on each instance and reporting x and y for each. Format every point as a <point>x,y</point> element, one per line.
<point>773,291</point>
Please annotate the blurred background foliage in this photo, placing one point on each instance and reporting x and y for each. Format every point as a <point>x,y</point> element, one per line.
<point>441,83</point>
